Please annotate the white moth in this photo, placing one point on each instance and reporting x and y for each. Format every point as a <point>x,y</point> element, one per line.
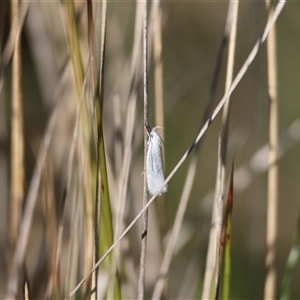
<point>154,164</point>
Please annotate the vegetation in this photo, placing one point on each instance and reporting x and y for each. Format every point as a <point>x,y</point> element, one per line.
<point>81,85</point>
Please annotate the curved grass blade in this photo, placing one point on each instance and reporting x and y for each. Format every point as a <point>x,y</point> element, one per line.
<point>290,265</point>
<point>226,241</point>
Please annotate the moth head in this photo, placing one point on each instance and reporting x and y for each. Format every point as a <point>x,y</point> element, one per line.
<point>154,134</point>
<point>148,129</point>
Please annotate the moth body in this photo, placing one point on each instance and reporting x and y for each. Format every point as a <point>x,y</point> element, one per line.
<point>154,166</point>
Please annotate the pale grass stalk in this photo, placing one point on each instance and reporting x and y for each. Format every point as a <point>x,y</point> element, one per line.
<point>158,72</point>
<point>144,235</point>
<point>17,138</point>
<point>17,177</point>
<point>211,256</point>
<point>234,6</point>
<point>26,291</point>
<point>272,200</point>
<point>199,136</point>
<point>159,106</point>
<point>155,6</point>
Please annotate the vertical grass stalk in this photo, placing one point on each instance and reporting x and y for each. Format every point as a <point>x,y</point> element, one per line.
<point>270,282</point>
<point>159,103</point>
<point>17,179</point>
<point>141,283</point>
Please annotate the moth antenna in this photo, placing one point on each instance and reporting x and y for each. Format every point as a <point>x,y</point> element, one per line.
<point>158,127</point>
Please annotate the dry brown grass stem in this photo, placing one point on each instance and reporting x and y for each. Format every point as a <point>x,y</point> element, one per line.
<point>272,201</point>
<point>159,105</point>
<point>144,235</point>
<point>233,7</point>
<point>17,138</point>
<point>199,136</point>
<point>158,72</point>
<point>17,178</point>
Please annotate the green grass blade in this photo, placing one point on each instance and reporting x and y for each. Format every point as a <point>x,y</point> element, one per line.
<point>227,243</point>
<point>290,265</point>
